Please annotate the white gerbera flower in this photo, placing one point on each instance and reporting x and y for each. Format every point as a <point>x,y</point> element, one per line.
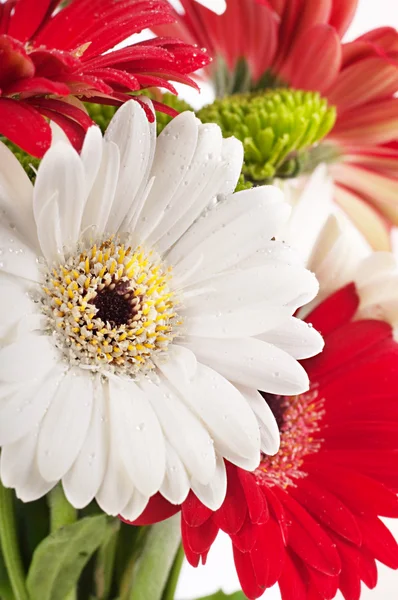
<point>142,306</point>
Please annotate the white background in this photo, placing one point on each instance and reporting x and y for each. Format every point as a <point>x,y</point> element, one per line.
<point>219,571</point>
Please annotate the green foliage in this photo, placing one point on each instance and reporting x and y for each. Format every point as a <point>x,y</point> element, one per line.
<point>60,558</point>
<point>276,128</point>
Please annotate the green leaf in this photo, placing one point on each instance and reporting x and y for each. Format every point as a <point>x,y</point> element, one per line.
<point>221,596</point>
<point>105,561</point>
<point>60,558</point>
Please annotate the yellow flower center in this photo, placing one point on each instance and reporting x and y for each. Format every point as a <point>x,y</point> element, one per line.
<point>111,306</point>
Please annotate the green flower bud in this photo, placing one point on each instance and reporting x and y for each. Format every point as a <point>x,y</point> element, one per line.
<point>276,128</point>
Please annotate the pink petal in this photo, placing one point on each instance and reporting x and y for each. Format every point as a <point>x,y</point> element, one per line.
<point>304,70</point>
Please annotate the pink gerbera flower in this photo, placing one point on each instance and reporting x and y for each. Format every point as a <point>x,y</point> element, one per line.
<point>257,44</point>
<point>50,55</point>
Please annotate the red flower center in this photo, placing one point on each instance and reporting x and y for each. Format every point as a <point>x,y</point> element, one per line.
<point>298,418</point>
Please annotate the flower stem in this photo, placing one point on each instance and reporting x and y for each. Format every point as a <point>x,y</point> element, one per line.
<point>153,566</point>
<point>9,544</point>
<point>61,512</point>
<point>174,575</point>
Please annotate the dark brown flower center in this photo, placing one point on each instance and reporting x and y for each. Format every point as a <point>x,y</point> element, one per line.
<point>116,304</point>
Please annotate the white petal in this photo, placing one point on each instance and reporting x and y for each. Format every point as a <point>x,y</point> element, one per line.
<point>246,303</point>
<point>217,6</point>
<point>139,436</point>
<point>27,360</point>
<point>19,469</point>
<point>233,323</point>
<point>23,410</point>
<point>16,257</point>
<point>196,449</point>
<point>221,407</point>
<point>116,488</point>
<point>297,338</point>
<point>134,136</point>
<point>175,486</point>
<point>312,204</point>
<point>217,174</point>
<point>135,506</point>
<point>272,251</point>
<point>84,478</point>
<point>213,494</point>
<point>64,428</point>
<point>58,134</point>
<point>15,302</point>
<point>175,149</point>
<point>61,179</point>
<point>252,363</point>
<point>233,230</point>
<point>91,155</point>
<point>195,190</point>
<point>100,200</point>
<point>16,193</point>
<point>48,222</point>
<point>276,283</point>
<point>269,430</point>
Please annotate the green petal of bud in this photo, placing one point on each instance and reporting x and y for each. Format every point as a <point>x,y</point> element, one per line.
<point>276,127</point>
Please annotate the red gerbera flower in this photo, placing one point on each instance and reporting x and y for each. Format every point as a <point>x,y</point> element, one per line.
<point>308,518</point>
<point>281,43</point>
<point>48,54</point>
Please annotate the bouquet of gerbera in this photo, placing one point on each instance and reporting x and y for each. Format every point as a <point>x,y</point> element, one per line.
<point>198,310</point>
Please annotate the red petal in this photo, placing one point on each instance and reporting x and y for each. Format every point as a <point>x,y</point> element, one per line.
<point>38,85</point>
<point>343,12</point>
<point>291,583</point>
<point>350,581</point>
<point>15,62</point>
<point>360,493</point>
<point>327,508</point>
<point>246,537</point>
<point>53,63</point>
<point>278,512</point>
<point>327,586</point>
<point>247,577</point>
<point>347,346</point>
<point>335,311</point>
<point>194,512</point>
<point>199,539</point>
<point>268,554</point>
<point>158,509</point>
<point>231,516</point>
<point>379,541</point>
<point>66,109</point>
<point>74,131</point>
<point>24,126</point>
<point>308,539</point>
<point>365,81</point>
<point>304,70</point>
<point>255,499</point>
<point>27,17</point>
